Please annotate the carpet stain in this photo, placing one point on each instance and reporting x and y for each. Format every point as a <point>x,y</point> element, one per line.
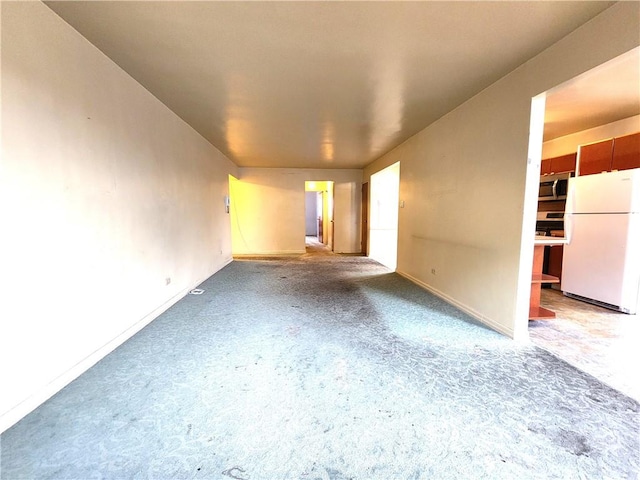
<point>234,472</point>
<point>573,442</point>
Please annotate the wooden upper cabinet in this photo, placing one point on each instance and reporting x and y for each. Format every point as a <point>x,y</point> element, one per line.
<point>561,164</point>
<point>595,157</point>
<point>626,152</point>
<point>564,163</point>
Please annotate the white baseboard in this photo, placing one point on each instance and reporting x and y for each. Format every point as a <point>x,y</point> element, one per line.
<point>270,253</point>
<point>466,309</point>
<point>28,405</point>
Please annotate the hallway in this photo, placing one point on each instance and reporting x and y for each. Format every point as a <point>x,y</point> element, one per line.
<point>313,246</point>
<point>325,367</point>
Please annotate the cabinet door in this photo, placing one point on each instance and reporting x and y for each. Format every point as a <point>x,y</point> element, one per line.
<point>564,163</point>
<point>545,166</point>
<point>595,158</point>
<point>626,152</point>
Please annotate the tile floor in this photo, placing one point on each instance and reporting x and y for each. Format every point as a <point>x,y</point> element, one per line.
<point>601,342</point>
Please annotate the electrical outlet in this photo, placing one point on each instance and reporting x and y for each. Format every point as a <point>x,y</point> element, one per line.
<point>167,280</point>
<point>433,271</point>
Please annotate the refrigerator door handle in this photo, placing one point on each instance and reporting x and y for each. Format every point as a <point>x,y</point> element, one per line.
<point>568,215</point>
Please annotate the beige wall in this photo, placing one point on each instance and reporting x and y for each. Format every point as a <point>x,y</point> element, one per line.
<point>463,180</point>
<point>569,143</point>
<point>269,205</point>
<point>105,194</point>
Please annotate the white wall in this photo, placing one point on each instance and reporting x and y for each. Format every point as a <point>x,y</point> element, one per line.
<point>569,143</point>
<point>463,180</point>
<point>104,195</point>
<point>270,209</point>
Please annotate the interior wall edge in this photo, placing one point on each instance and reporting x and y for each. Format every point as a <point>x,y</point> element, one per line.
<point>459,305</point>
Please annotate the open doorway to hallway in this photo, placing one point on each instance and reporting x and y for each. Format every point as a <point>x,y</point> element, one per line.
<point>364,215</point>
<point>383,218</point>
<point>599,107</point>
<point>319,215</point>
<point>233,201</point>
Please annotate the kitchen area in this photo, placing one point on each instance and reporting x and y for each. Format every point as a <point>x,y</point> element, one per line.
<point>585,295</point>
<point>585,289</point>
<point>588,224</point>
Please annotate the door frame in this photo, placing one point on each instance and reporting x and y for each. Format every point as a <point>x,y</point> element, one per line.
<point>364,239</point>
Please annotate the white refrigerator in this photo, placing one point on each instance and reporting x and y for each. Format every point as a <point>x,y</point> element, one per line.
<point>601,261</point>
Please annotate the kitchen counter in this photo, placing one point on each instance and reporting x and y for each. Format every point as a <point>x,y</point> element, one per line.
<point>542,240</point>
<point>537,312</point>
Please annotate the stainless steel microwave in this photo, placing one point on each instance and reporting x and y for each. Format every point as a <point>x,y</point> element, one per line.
<point>553,187</point>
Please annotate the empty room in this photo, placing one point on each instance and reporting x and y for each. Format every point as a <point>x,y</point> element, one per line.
<point>302,240</point>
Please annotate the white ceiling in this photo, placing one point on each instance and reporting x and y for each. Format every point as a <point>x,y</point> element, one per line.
<point>602,95</point>
<point>318,84</point>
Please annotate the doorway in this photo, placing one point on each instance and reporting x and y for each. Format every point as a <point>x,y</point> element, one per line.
<point>232,204</point>
<point>364,243</point>
<point>313,215</point>
<point>319,214</point>
<point>383,226</point>
<point>597,340</point>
